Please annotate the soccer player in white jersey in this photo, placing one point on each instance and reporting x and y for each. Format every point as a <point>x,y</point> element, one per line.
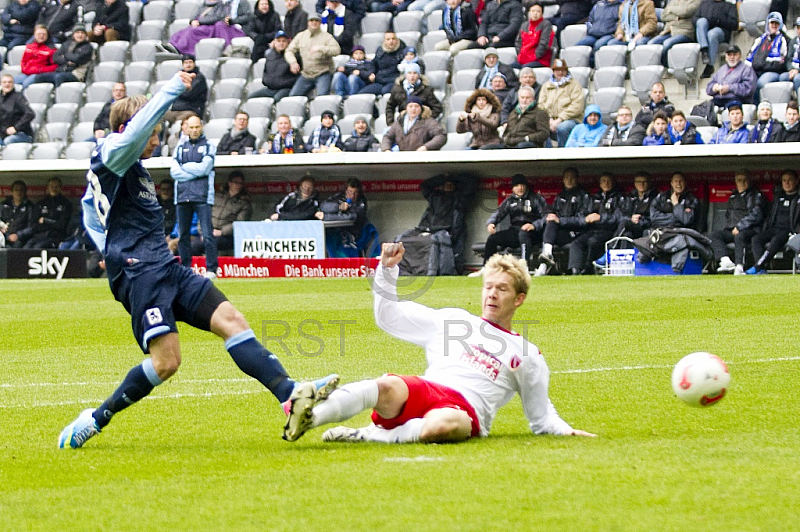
<point>475,366</point>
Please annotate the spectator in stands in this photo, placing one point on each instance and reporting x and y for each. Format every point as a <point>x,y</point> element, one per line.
<point>599,221</point>
<point>528,124</point>
<point>460,24</point>
<point>37,57</point>
<point>193,101</point>
<point>19,18</point>
<point>534,40</point>
<point>214,19</point>
<point>791,128</point>
<point>658,102</point>
<point>744,214</point>
<point>769,53</point>
<point>601,24</point>
<point>286,140</point>
<point>361,138</point>
<point>491,66</point>
<point>383,70</point>
<point>16,114</point>
<point>16,215</point>
<point>414,130</point>
<point>527,78</point>
<point>295,20</point>
<point>677,17</point>
<point>112,22</point>
<point>263,28</point>
<point>233,205</point>
<point>766,129</point>
<point>734,81</point>
<point>562,98</point>
<point>353,76</point>
<point>315,50</point>
<point>301,204</point>
<point>676,207</point>
<point>481,117</point>
<point>412,85</point>
<point>73,59</point>
<point>637,23</point>
<point>784,219</point>
<point>166,199</point>
<point>192,169</point>
<point>657,134</point>
<point>682,132</point>
<point>102,126</point>
<point>793,59</point>
<point>341,23</point>
<point>59,17</point>
<point>499,23</point>
<point>238,140</point>
<point>326,137</point>
<point>51,217</point>
<point>499,87</point>
<point>356,7</point>
<point>562,223</point>
<point>278,78</point>
<point>525,209</point>
<point>349,205</point>
<point>624,132</point>
<point>590,132</point>
<point>714,21</point>
<point>735,130</point>
<point>571,12</point>
<point>410,57</point>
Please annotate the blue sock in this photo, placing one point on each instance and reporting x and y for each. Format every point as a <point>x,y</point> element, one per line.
<point>256,360</point>
<point>137,385</point>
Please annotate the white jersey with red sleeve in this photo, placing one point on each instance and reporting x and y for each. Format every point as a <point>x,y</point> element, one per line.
<point>480,360</point>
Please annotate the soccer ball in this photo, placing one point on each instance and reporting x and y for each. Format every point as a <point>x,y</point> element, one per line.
<point>701,379</point>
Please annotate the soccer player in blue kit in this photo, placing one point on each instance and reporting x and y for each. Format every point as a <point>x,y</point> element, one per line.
<point>122,215</point>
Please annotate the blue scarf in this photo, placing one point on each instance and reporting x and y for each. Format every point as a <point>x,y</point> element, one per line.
<point>486,81</point>
<point>409,88</point>
<point>408,124</point>
<point>762,132</point>
<point>630,18</point>
<point>775,47</point>
<point>453,25</point>
<point>289,144</point>
<point>333,136</point>
<point>566,79</point>
<point>338,21</point>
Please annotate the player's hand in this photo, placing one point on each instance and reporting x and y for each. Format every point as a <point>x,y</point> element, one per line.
<point>186,79</point>
<point>576,432</point>
<point>391,254</point>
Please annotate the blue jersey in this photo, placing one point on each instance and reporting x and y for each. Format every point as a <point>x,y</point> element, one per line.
<point>121,212</point>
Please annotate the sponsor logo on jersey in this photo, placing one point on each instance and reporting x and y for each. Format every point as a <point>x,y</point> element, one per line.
<point>150,189</point>
<point>46,265</point>
<point>480,359</point>
<point>154,316</point>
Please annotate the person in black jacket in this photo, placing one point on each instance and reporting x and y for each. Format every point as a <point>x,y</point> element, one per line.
<point>525,209</point>
<point>527,78</point>
<point>278,78</point>
<point>73,59</point>
<point>624,132</point>
<point>784,218</point>
<point>348,205</point>
<point>600,220</point>
<point>562,223</point>
<point>51,217</point>
<point>491,66</point>
<point>714,22</point>
<point>361,138</point>
<point>192,102</point>
<point>16,114</point>
<point>743,216</point>
<point>295,20</point>
<point>112,22</point>
<point>411,85</point>
<point>791,128</point>
<point>16,214</point>
<point>238,139</point>
<point>766,128</point>
<point>571,12</point>
<point>302,204</point>
<point>500,22</point>
<point>263,28</point>
<point>383,69</point>
<point>59,17</point>
<point>676,207</point>
<point>357,7</point>
<point>19,18</point>
<point>102,125</point>
<point>460,24</point>
<point>658,102</point>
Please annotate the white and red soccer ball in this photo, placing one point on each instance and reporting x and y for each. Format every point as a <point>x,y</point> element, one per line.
<point>701,379</point>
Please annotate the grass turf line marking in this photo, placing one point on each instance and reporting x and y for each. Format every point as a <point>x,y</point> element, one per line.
<point>150,397</point>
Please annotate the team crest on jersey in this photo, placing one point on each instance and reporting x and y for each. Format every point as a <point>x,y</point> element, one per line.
<point>149,191</point>
<point>515,363</point>
<point>154,316</point>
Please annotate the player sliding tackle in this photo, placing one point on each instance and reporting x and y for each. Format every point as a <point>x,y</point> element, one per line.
<point>475,366</point>
<point>123,217</point>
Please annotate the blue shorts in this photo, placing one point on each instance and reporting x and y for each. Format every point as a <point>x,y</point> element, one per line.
<point>158,297</point>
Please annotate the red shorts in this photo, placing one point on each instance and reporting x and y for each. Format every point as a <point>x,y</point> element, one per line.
<point>424,396</point>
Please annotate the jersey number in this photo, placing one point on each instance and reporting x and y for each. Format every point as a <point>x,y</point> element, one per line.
<point>101,204</point>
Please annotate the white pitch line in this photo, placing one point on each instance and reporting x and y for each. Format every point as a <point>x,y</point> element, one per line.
<point>151,397</point>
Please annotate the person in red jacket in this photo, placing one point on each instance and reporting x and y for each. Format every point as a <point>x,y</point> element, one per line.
<point>535,40</point>
<point>37,58</point>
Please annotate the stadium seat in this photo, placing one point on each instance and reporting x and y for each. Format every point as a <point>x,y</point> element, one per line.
<point>108,71</point>
<point>685,63</point>
<point>178,25</point>
<point>753,15</point>
<point>83,131</point>
<point>458,100</point>
<point>259,107</point>
<point>327,102</point>
<point>572,34</point>
<point>229,88</point>
<point>292,106</point>
<point>608,56</point>
<point>209,68</point>
<point>707,133</point>
<point>224,108</point>
<point>430,40</point>
<point>457,141</point>
<point>582,74</point>
<point>371,42</point>
<point>438,79</point>
<point>642,80</point>
<point>71,92</point>
<point>408,21</point>
<point>89,111</point>
<point>247,42</point>
<point>79,150</point>
<point>778,92</point>
<point>257,70</point>
<point>507,55</point>
<point>376,23</point>
<point>39,110</point>
<point>380,125</point>
<point>134,13</point>
<point>209,48</point>
<point>217,127</point>
<point>578,55</point>
<point>139,71</point>
<point>411,38</point>
<point>157,10</point>
<point>167,69</point>
<point>187,9</point>
<point>609,100</point>
<point>137,88</point>
<point>236,67</point>
<point>310,125</point>
<point>464,79</point>
<point>543,74</point>
<point>151,30</point>
<point>144,51</point>
<point>613,76</point>
<point>17,152</point>
<point>63,112</point>
<point>340,60</point>
<point>47,150</point>
<point>436,60</point>
<point>258,126</point>
<point>347,124</point>
<point>99,91</point>
<point>14,56</point>
<point>452,121</point>
<point>646,54</point>
<point>113,51</point>
<point>434,20</point>
<point>779,112</point>
<point>58,131</point>
<point>359,104</point>
<point>39,93</point>
<point>468,60</point>
<point>253,86</point>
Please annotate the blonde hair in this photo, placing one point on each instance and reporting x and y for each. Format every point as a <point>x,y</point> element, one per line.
<point>123,110</point>
<point>516,268</point>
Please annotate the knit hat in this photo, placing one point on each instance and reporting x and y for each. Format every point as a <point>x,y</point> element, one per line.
<point>412,67</point>
<point>413,99</point>
<point>327,114</point>
<point>765,104</point>
<point>410,49</point>
<point>499,75</point>
<point>79,27</point>
<point>519,179</point>
<point>358,47</point>
<point>361,118</point>
<point>491,51</point>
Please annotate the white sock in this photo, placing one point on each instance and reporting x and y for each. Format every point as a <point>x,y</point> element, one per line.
<point>408,432</point>
<point>547,249</point>
<point>346,402</point>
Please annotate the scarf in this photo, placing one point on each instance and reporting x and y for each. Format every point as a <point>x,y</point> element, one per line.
<point>519,108</point>
<point>408,124</point>
<point>775,47</point>
<point>338,20</point>
<point>288,143</point>
<point>409,88</point>
<point>630,18</point>
<point>486,80</point>
<point>762,132</point>
<point>452,20</point>
<point>332,139</point>
<point>485,112</point>
<point>566,79</point>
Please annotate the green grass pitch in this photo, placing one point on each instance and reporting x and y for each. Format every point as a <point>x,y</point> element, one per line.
<point>204,452</point>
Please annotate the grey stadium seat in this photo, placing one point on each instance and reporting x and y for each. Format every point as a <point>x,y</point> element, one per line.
<point>113,51</point>
<point>359,104</point>
<point>209,48</point>
<point>685,63</point>
<point>292,106</point>
<point>151,30</point>
<point>144,51</point>
<point>468,60</point>
<point>376,23</point>
<point>430,40</point>
<point>436,60</point>
<point>753,14</point>
<point>47,150</point>
<point>408,21</point>
<point>58,131</point>
<point>259,107</point>
<point>457,141</point>
<point>39,93</point>
<point>108,71</point>
<point>247,42</point>
<point>609,101</point>
<point>236,68</point>
<point>438,79</point>
<point>229,88</point>
<point>167,69</point>
<point>582,74</point>
<point>224,108</point>
<point>99,91</point>
<point>464,79</point>
<point>79,150</point>
<point>507,55</point>
<point>411,38</point>
<point>135,88</point>
<point>258,69</point>
<point>327,102</point>
<point>217,127</point>
<point>646,54</point>
<point>543,74</point>
<point>209,68</point>
<point>577,55</point>
<point>458,100</point>
<point>608,56</point>
<point>83,131</point>
<point>90,110</point>
<point>258,126</point>
<point>371,42</point>
<point>572,34</point>
<point>610,77</point>
<point>71,92</point>
<point>434,20</point>
<point>778,92</point>
<point>187,9</point>
<point>17,152</point>
<point>63,112</point>
<point>643,78</point>
<point>157,10</point>
<point>140,71</point>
